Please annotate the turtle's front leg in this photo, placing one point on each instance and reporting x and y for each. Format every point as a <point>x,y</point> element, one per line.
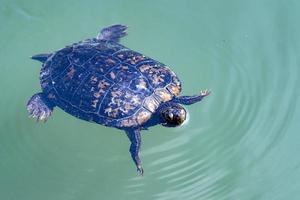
<point>188,100</point>
<point>134,136</point>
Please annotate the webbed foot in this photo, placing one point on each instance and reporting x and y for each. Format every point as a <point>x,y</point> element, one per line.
<point>205,93</point>
<point>39,108</point>
<point>112,33</point>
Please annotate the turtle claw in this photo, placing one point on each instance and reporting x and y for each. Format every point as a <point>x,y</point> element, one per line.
<point>205,93</point>
<point>140,170</point>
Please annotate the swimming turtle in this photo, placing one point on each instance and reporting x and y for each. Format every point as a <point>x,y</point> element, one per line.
<point>102,81</point>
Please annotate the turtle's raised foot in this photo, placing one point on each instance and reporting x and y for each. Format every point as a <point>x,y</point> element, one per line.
<point>205,93</point>
<point>39,108</point>
<point>140,170</point>
<point>112,33</point>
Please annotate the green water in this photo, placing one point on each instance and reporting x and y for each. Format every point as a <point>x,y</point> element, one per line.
<point>241,143</point>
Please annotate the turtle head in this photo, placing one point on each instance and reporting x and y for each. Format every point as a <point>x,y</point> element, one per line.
<point>173,115</point>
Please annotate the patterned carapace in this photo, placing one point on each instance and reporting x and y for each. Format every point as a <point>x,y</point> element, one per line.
<point>105,82</point>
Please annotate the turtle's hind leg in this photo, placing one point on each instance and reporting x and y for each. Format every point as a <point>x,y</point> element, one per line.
<point>39,107</point>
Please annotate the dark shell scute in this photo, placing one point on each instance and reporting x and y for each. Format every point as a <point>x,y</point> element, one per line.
<point>69,81</point>
<point>81,54</point>
<point>79,113</point>
<point>59,62</point>
<point>60,57</point>
<point>91,93</point>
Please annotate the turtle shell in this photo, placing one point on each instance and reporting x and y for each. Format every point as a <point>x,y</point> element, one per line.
<point>107,83</point>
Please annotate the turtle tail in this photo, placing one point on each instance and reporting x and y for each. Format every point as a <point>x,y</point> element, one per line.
<point>41,57</point>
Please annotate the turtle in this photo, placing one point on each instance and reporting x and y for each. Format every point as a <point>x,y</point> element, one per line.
<point>101,81</point>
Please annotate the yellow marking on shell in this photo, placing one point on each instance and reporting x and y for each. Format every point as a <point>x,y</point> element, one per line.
<point>111,112</point>
<point>142,84</point>
<point>163,94</point>
<point>71,73</point>
<point>157,79</point>
<point>174,89</point>
<point>122,102</point>
<point>150,103</point>
<point>103,84</point>
<point>128,95</point>
<point>112,75</point>
<point>131,102</point>
<point>136,100</point>
<point>121,56</point>
<point>110,61</point>
<point>94,104</point>
<point>94,79</point>
<point>108,110</point>
<point>143,115</point>
<point>128,106</point>
<point>114,113</point>
<point>176,80</point>
<point>116,93</point>
<point>128,122</point>
<point>136,59</point>
<point>44,73</point>
<point>99,93</point>
<point>145,67</point>
<point>115,101</point>
<point>124,67</point>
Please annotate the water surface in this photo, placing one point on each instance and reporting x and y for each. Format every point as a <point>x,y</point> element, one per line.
<point>242,142</point>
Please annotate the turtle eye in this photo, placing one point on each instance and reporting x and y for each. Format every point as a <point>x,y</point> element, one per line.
<point>170,116</point>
